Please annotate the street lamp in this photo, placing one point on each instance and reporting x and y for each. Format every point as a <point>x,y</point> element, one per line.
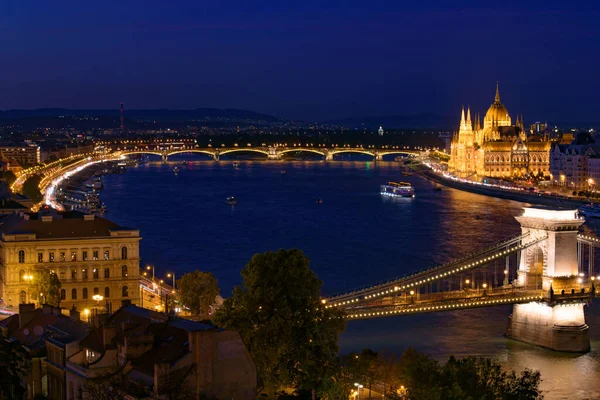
<point>151,267</point>
<point>358,386</point>
<point>169,275</point>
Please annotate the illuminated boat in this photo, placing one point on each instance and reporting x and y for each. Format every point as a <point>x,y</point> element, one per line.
<point>176,170</point>
<point>231,201</point>
<point>397,189</point>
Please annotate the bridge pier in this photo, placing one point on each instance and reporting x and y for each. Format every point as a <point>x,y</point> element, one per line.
<point>554,260</point>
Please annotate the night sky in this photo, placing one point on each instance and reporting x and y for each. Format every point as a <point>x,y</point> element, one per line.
<point>311,59</point>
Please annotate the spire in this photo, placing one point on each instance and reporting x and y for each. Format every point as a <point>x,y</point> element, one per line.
<point>497,93</point>
<point>462,116</point>
<point>468,114</point>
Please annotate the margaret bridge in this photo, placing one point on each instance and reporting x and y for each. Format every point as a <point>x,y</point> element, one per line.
<point>276,152</point>
<point>546,272</point>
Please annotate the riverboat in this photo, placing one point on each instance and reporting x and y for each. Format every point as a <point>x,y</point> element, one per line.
<point>176,170</point>
<point>231,201</point>
<point>590,210</point>
<point>397,189</point>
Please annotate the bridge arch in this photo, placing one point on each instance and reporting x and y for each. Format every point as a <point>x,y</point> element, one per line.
<point>252,149</point>
<point>207,152</point>
<point>388,152</point>
<point>321,153</point>
<point>360,151</point>
<point>128,152</point>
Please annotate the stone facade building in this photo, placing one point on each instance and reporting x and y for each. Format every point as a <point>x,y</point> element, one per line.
<point>90,255</point>
<point>576,166</point>
<point>497,148</point>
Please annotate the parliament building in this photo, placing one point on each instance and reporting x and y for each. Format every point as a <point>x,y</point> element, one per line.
<point>498,148</point>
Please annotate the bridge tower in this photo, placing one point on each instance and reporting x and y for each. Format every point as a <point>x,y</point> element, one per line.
<point>551,266</point>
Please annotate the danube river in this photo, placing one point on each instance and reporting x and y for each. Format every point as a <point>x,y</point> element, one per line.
<point>355,237</point>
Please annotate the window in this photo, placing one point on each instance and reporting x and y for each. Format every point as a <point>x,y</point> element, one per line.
<point>95,254</point>
<point>40,257</point>
<point>73,274</point>
<point>63,294</point>
<point>124,253</point>
<point>107,292</point>
<point>124,271</point>
<point>62,274</point>
<point>22,297</point>
<point>95,273</point>
<point>21,256</point>
<point>125,292</point>
<point>84,255</point>
<point>51,256</point>
<point>84,293</point>
<point>62,256</point>
<point>84,273</point>
<point>73,294</point>
<point>96,291</point>
<point>90,356</point>
<point>73,256</point>
<point>106,254</point>
<point>21,275</point>
<point>107,272</point>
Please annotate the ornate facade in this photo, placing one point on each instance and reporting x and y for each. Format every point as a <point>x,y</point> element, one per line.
<point>498,148</point>
<point>90,255</point>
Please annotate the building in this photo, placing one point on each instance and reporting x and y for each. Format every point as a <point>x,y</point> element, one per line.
<point>164,355</point>
<point>25,155</point>
<point>48,337</point>
<point>576,166</point>
<point>498,148</point>
<point>90,255</point>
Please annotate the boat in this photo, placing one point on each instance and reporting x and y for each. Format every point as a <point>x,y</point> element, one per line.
<point>590,210</point>
<point>231,201</point>
<point>397,189</point>
<point>175,170</point>
<point>184,162</point>
<point>235,165</point>
<point>319,201</point>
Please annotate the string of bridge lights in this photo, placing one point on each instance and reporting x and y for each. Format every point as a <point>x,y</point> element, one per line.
<point>439,267</point>
<point>437,277</point>
<point>375,314</point>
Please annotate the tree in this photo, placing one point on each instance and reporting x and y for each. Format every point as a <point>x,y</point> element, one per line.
<point>14,365</point>
<point>9,177</point>
<point>46,287</point>
<point>290,334</point>
<point>31,188</point>
<point>364,367</point>
<point>197,291</point>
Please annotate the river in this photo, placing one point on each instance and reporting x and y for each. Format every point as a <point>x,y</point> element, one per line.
<point>355,237</point>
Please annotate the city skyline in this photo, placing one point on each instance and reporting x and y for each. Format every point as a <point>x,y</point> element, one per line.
<point>305,61</point>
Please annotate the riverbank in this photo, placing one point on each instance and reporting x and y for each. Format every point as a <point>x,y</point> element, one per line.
<point>532,198</point>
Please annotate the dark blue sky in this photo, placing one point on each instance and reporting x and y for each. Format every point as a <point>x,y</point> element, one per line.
<point>310,59</point>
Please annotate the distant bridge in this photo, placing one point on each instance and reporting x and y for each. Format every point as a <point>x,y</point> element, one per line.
<point>166,149</point>
<point>551,275</point>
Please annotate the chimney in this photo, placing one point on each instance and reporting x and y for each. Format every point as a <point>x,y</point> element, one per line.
<point>26,314</point>
<point>74,314</point>
<point>88,217</point>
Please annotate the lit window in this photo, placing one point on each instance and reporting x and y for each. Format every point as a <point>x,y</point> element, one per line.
<point>51,256</point>
<point>73,256</point>
<point>106,254</point>
<point>124,271</point>
<point>84,255</point>
<point>73,274</point>
<point>63,257</point>
<point>95,273</point>
<point>84,273</point>
<point>95,255</point>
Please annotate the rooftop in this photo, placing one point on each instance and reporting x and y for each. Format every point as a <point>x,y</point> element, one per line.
<point>55,225</point>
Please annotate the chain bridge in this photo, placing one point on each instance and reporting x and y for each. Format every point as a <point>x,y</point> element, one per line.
<point>168,148</point>
<point>547,273</point>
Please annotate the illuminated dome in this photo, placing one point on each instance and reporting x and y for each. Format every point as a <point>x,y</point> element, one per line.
<point>497,114</point>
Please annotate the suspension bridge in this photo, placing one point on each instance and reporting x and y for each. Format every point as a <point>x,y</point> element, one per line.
<point>547,272</point>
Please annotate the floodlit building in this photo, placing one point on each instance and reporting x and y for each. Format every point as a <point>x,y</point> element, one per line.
<point>576,166</point>
<point>497,148</point>
<point>91,256</point>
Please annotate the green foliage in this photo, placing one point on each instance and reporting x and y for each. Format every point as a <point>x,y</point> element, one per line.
<point>14,364</point>
<point>290,334</point>
<point>9,177</point>
<point>197,291</point>
<point>46,287</point>
<point>31,188</point>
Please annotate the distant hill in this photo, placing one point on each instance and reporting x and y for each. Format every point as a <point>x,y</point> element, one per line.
<point>422,121</point>
<point>229,114</point>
